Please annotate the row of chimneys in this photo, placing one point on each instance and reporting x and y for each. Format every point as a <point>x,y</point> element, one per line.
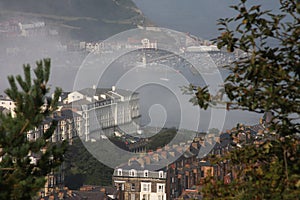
<point>169,152</point>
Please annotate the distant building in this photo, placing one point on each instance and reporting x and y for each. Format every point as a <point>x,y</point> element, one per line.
<point>187,172</point>
<point>135,183</point>
<point>186,176</point>
<point>4,110</point>
<point>67,127</point>
<point>146,44</point>
<point>32,29</point>
<point>106,111</point>
<point>149,176</point>
<point>54,180</point>
<point>202,48</point>
<point>74,96</point>
<point>68,124</point>
<point>145,177</point>
<point>8,104</point>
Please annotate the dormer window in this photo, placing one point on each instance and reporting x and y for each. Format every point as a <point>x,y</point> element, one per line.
<point>160,174</point>
<point>132,172</point>
<point>146,173</point>
<point>120,172</point>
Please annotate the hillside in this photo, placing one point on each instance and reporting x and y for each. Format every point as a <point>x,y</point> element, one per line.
<point>82,19</point>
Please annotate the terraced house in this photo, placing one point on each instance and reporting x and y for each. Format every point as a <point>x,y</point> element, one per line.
<point>136,183</point>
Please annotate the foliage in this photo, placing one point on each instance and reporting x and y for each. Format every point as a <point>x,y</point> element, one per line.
<point>167,136</point>
<point>267,79</point>
<point>19,177</point>
<point>259,172</point>
<point>161,139</point>
<point>83,169</point>
<point>202,96</point>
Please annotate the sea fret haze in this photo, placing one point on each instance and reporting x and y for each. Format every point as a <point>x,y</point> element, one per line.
<point>65,63</point>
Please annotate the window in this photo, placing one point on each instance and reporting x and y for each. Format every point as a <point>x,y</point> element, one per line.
<point>160,188</point>
<point>146,173</point>
<point>132,196</point>
<point>119,172</point>
<point>202,173</point>
<point>160,197</point>
<point>146,187</point>
<point>28,136</point>
<point>161,174</point>
<point>132,172</point>
<point>146,197</point>
<point>51,182</point>
<point>133,187</point>
<point>121,187</point>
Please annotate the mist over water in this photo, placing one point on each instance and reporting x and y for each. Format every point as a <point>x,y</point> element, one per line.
<point>200,18</point>
<point>157,103</point>
<point>27,50</point>
<point>194,16</point>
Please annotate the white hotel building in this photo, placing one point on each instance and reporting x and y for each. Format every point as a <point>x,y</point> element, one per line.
<point>106,111</point>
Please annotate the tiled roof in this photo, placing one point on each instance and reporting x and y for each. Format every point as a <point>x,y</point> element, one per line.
<point>140,173</point>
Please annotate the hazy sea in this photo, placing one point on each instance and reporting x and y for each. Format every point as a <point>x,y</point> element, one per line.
<point>200,19</point>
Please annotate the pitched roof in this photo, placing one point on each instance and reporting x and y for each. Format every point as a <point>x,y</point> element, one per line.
<point>124,92</point>
<point>64,95</point>
<point>77,104</point>
<point>90,92</point>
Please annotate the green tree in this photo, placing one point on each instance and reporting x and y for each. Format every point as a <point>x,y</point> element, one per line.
<point>266,80</point>
<point>83,169</point>
<point>19,179</point>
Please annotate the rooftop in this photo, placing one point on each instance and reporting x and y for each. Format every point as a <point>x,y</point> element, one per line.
<point>139,173</point>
